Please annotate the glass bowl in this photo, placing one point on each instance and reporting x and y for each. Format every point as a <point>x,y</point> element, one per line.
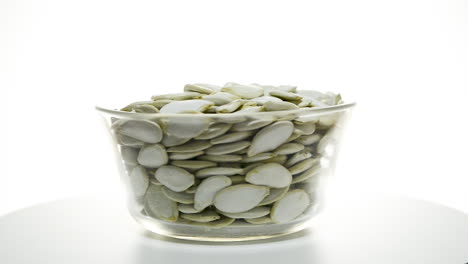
<point>226,177</point>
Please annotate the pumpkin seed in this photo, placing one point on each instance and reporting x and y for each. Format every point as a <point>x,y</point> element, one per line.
<point>185,155</point>
<point>236,179</point>
<point>279,106</point>
<point>230,107</point>
<point>308,139</point>
<point>170,140</point>
<point>240,198</point>
<point>154,181</point>
<point>186,127</point>
<point>211,109</point>
<point>139,181</point>
<point>220,98</point>
<point>131,106</point>
<point>280,159</point>
<point>240,152</point>
<point>271,137</point>
<point>259,221</point>
<point>188,209</point>
<point>142,130</point>
<point>223,222</point>
<point>275,195</point>
<point>206,191</point>
<point>289,148</point>
<point>252,166</point>
<point>271,175</point>
<point>202,88</point>
<point>299,156</point>
<point>174,178</point>
<point>180,197</point>
<point>193,188</point>
<point>203,217</point>
<point>231,137</point>
<point>221,158</point>
<point>306,128</point>
<point>230,165</point>
<point>252,213</point>
<point>287,96</point>
<point>303,165</point>
<point>221,149</point>
<point>258,157</point>
<point>193,164</point>
<point>312,172</point>
<point>296,133</point>
<point>214,130</point>
<point>177,96</point>
<point>129,155</point>
<point>145,109</point>
<point>128,141</point>
<point>189,106</point>
<point>192,146</point>
<point>263,99</point>
<point>203,173</point>
<point>291,206</point>
<point>253,124</point>
<point>250,109</point>
<point>152,156</point>
<point>157,205</point>
<point>243,91</point>
<point>160,103</point>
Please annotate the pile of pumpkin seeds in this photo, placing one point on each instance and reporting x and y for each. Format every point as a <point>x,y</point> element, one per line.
<point>236,165</point>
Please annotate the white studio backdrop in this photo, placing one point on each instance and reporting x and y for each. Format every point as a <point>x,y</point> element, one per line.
<point>405,62</point>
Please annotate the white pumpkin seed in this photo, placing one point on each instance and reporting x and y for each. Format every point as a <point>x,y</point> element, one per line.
<point>180,197</point>
<point>142,130</point>
<point>286,95</point>
<point>303,165</point>
<point>177,96</point>
<point>193,164</point>
<point>271,175</point>
<point>185,155</point>
<point>192,146</point>
<point>279,106</point>
<point>154,180</point>
<point>289,148</point>
<point>299,156</point>
<point>240,198</point>
<point>263,99</point>
<point>203,173</point>
<point>189,106</point>
<point>291,206</point>
<point>230,107</point>
<point>152,156</point>
<point>128,141</point>
<point>160,103</point>
<point>243,91</point>
<point>157,205</point>
<point>203,217</point>
<point>145,109</point>
<point>220,98</point>
<point>252,166</point>
<point>312,172</point>
<point>193,188</point>
<point>253,124</point>
<point>275,195</point>
<point>236,179</point>
<point>202,88</point>
<point>223,222</point>
<point>131,106</point>
<point>228,148</point>
<point>186,127</point>
<point>271,137</point>
<point>215,130</point>
<point>280,159</point>
<point>231,137</point>
<point>129,155</point>
<point>188,209</point>
<point>258,157</point>
<point>139,181</point>
<point>211,109</point>
<point>174,178</point>
<point>221,158</point>
<point>250,109</point>
<point>206,191</point>
<point>170,140</point>
<point>306,128</point>
<point>259,221</point>
<point>229,119</point>
<point>296,133</point>
<point>308,139</point>
<point>240,152</point>
<point>252,213</point>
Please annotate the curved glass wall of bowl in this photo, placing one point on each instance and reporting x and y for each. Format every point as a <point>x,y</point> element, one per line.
<point>225,176</point>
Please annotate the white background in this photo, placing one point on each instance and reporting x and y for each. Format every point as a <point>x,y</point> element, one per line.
<point>404,61</point>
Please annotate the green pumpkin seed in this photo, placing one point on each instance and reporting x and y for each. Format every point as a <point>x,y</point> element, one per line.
<point>193,164</point>
<point>240,198</point>
<point>188,209</point>
<point>139,181</point>
<point>259,221</point>
<point>271,137</point>
<point>306,128</point>
<point>157,204</point>
<point>202,88</point>
<point>152,156</point>
<point>215,130</point>
<point>129,155</point>
<point>291,206</point>
<point>258,157</point>
<point>289,148</point>
<point>221,158</point>
<point>185,155</point>
<point>279,106</point>
<point>236,179</point>
<point>186,127</point>
<point>180,197</point>
<point>275,195</point>
<point>177,96</point>
<point>203,173</point>
<point>145,109</point>
<point>286,95</point>
<point>192,146</point>
<point>189,106</point>
<point>230,107</point>
<point>203,217</point>
<point>206,191</point>
<point>231,137</point>
<point>142,130</point>
<point>170,140</point>
<point>308,139</point>
<point>271,174</point>
<point>253,124</point>
<point>312,172</point>
<point>243,91</point>
<point>280,159</point>
<point>174,178</point>
<point>252,213</point>
<point>220,98</point>
<point>299,156</point>
<point>303,165</point>
<point>228,148</point>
